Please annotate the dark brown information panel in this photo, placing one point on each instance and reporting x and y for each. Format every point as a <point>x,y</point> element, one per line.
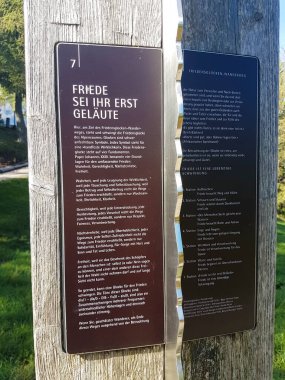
<point>220,179</point>
<point>110,127</point>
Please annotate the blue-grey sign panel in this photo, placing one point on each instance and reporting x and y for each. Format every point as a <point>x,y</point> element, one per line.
<point>220,180</point>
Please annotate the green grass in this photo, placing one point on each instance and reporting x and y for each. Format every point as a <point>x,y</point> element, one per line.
<point>11,151</point>
<point>16,337</point>
<point>279,359</point>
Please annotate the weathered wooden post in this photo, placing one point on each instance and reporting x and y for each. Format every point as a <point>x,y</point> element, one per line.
<point>136,23</point>
<point>248,28</point>
<point>237,27</point>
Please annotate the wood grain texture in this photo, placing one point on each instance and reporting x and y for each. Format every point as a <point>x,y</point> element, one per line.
<point>231,26</point>
<point>244,27</point>
<point>65,12</point>
<point>47,22</point>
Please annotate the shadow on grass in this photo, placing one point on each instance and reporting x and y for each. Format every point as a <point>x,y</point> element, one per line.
<point>279,374</point>
<point>279,335</point>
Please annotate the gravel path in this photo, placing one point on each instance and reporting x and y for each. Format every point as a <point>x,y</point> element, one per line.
<point>16,173</point>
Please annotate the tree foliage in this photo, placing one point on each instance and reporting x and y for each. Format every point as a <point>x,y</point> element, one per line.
<point>5,95</point>
<point>281,143</point>
<point>12,65</point>
<point>12,62</point>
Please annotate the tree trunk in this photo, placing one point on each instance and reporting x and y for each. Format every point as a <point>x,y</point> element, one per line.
<point>21,125</point>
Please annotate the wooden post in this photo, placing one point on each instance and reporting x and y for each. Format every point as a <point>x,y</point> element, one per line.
<point>244,27</point>
<point>231,26</point>
<point>117,22</point>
